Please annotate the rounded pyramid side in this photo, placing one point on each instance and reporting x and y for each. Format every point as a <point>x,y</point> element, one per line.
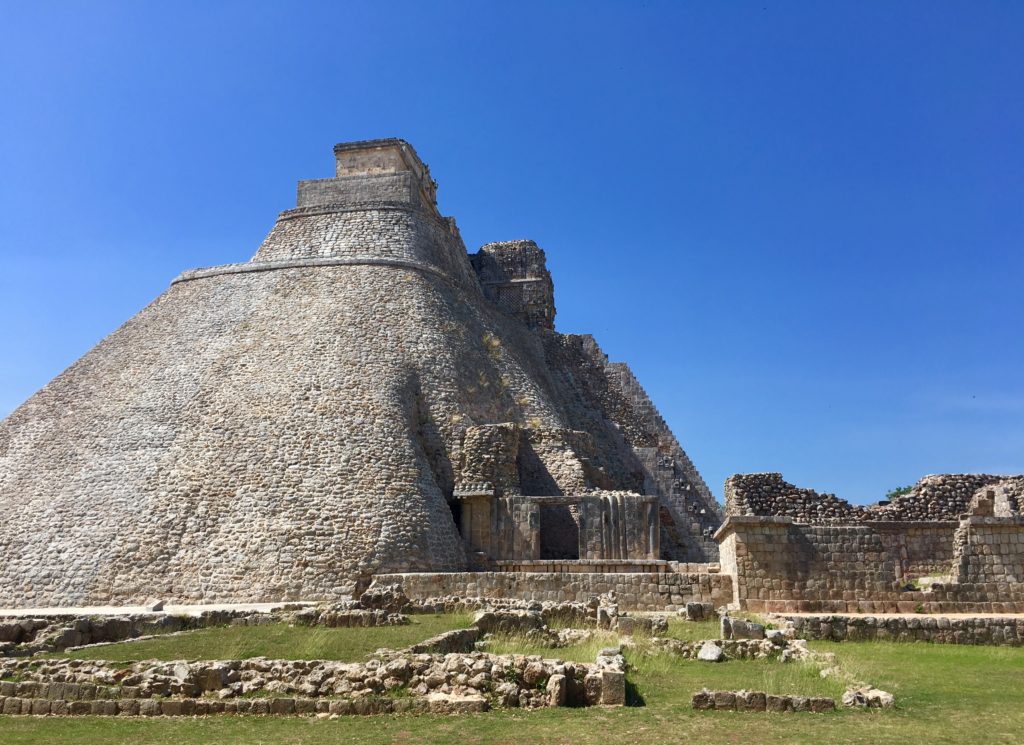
<point>257,436</point>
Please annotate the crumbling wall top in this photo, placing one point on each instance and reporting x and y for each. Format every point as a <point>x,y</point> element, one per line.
<point>941,497</point>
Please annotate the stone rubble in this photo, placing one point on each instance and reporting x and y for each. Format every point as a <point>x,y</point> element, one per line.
<point>868,697</point>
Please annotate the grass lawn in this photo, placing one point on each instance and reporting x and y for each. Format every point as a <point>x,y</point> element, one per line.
<point>945,694</point>
<point>278,641</point>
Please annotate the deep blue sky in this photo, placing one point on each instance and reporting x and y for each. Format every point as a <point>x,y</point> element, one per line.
<point>801,224</point>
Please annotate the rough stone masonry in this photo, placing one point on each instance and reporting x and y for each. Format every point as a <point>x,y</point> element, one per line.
<point>287,427</point>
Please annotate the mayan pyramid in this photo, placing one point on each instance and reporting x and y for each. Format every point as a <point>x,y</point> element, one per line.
<point>281,428</point>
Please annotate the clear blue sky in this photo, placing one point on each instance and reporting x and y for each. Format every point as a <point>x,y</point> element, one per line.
<point>800,223</point>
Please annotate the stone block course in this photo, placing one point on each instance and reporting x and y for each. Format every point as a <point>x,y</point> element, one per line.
<point>634,591</point>
<point>757,701</point>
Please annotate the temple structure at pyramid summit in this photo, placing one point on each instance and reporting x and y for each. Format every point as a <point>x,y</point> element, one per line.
<point>364,401</point>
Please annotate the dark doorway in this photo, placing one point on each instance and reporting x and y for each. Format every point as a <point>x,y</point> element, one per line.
<point>456,507</point>
<point>559,533</point>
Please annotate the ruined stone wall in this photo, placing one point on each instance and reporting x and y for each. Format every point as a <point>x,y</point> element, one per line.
<point>796,548</point>
<point>639,591</point>
<point>780,565</point>
<point>766,494</point>
<point>918,549</point>
<point>774,560</point>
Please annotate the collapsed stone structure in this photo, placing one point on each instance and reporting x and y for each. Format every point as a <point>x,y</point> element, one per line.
<point>954,543</point>
<point>361,397</point>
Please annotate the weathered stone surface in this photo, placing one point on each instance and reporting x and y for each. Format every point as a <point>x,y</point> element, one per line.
<point>740,628</point>
<point>613,688</point>
<point>710,652</point>
<point>699,611</point>
<point>557,689</point>
<point>868,697</point>
<point>934,498</point>
<point>446,703</point>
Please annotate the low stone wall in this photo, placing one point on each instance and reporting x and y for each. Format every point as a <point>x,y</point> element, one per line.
<point>938,630</point>
<point>21,636</point>
<point>153,707</point>
<point>347,618</point>
<point>706,700</point>
<point>463,681</point>
<point>634,591</point>
<point>738,649</point>
<point>24,636</point>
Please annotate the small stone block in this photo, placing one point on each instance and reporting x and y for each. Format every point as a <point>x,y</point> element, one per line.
<point>613,688</point>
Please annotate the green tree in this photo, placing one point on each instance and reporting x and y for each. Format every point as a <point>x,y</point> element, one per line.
<point>899,491</point>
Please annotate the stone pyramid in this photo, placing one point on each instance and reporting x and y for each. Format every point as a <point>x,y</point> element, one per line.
<point>282,428</point>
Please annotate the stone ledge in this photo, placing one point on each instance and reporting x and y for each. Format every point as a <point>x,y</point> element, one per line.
<point>732,521</point>
<point>370,205</point>
<point>268,266</point>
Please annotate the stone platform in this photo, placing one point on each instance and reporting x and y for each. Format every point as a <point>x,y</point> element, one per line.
<point>635,591</point>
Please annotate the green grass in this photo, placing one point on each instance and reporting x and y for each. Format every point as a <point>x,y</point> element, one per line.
<point>277,641</point>
<point>583,652</point>
<point>945,695</point>
<point>692,631</point>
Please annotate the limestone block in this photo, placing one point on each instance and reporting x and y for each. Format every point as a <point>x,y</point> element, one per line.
<point>557,690</point>
<point>613,688</point>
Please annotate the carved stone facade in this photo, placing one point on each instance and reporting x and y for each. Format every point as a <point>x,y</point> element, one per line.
<point>601,526</point>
